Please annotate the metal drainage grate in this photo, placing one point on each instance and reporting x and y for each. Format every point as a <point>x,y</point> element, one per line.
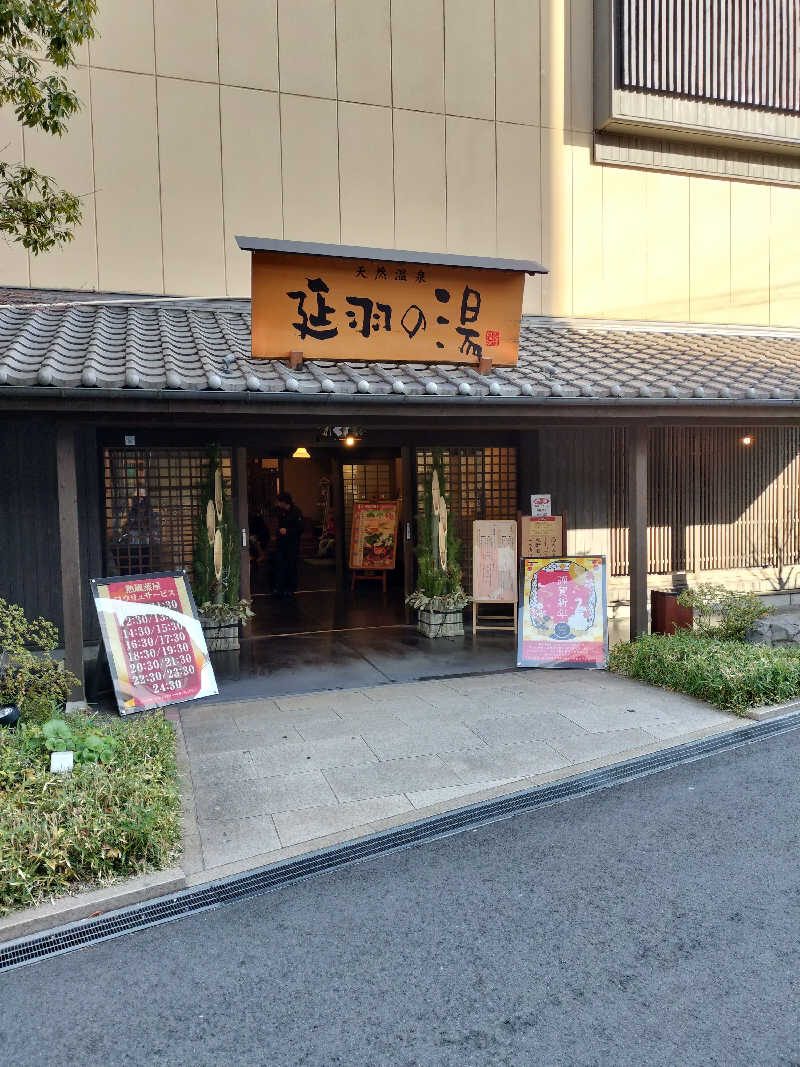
<point>265,879</point>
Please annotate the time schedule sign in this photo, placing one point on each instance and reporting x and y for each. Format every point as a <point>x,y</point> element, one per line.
<point>153,639</point>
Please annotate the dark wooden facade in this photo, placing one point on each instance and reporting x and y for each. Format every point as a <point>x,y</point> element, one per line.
<point>30,544</point>
<point>697,487</point>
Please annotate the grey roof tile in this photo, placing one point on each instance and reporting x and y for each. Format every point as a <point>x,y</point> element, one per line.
<point>181,345</point>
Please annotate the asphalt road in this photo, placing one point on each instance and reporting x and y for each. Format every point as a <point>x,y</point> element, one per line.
<point>654,923</point>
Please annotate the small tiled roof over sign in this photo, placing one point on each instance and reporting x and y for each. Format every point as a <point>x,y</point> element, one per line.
<point>184,346</point>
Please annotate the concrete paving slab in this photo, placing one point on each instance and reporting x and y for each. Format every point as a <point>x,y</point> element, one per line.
<point>225,766</point>
<point>601,744</point>
<point>225,842</point>
<point>260,734</point>
<point>324,729</point>
<point>393,776</point>
<point>389,743</point>
<point>311,755</point>
<point>533,757</point>
<point>536,726</point>
<point>319,822</point>
<point>330,700</point>
<point>260,796</point>
<point>232,739</point>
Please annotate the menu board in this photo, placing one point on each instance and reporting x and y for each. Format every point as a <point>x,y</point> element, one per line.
<point>494,561</point>
<point>373,537</point>
<point>562,613</point>
<point>153,639</point>
<point>540,536</point>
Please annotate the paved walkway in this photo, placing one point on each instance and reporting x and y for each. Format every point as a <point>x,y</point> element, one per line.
<point>266,779</point>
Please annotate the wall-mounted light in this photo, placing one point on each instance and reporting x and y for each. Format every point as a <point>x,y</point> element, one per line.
<point>301,453</point>
<point>349,440</point>
<point>747,440</point>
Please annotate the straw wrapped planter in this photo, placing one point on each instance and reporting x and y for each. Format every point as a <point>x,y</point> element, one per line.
<point>221,636</point>
<point>440,623</point>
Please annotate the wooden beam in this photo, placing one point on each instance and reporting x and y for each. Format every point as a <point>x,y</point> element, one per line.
<point>637,449</point>
<point>70,548</point>
<point>243,520</point>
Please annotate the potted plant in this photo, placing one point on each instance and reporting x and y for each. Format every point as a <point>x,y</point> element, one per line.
<point>439,596</point>
<point>216,565</point>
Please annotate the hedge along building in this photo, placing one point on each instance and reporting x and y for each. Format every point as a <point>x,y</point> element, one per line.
<point>659,185</point>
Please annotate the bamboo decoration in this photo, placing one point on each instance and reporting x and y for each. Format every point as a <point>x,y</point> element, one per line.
<point>211,522</point>
<point>218,492</point>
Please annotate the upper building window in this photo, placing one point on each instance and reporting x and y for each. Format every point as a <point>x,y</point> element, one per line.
<point>722,75</point>
<point>740,52</point>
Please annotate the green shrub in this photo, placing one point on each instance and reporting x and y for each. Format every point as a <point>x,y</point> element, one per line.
<point>29,676</point>
<point>88,745</point>
<point>62,833</point>
<point>730,675</point>
<point>723,613</point>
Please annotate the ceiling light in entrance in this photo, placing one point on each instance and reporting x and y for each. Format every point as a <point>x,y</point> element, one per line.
<point>301,453</point>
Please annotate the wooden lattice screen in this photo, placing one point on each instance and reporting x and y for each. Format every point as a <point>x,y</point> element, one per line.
<point>480,483</point>
<point>152,501</point>
<point>714,502</point>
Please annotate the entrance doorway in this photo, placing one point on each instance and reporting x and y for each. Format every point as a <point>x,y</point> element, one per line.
<point>325,485</point>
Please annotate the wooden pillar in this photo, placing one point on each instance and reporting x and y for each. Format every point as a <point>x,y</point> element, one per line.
<point>407,522</point>
<point>70,549</point>
<point>243,519</point>
<point>637,442</point>
<point>337,503</point>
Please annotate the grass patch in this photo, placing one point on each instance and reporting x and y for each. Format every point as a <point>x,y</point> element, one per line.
<point>60,834</point>
<point>730,675</point>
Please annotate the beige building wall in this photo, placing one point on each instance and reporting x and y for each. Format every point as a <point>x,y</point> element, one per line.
<point>440,125</point>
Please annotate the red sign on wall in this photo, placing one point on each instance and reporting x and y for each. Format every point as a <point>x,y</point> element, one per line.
<point>156,650</point>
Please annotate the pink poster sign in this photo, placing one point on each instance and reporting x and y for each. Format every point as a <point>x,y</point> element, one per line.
<point>562,613</point>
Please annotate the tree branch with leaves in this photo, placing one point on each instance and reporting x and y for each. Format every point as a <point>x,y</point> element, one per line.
<point>34,210</point>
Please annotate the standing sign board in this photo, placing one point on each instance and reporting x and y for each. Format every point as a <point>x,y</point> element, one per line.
<point>373,538</point>
<point>562,612</point>
<point>494,567</point>
<point>541,536</point>
<point>153,639</point>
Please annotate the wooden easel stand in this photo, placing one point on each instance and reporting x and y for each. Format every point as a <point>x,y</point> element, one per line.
<point>478,621</point>
<point>367,576</point>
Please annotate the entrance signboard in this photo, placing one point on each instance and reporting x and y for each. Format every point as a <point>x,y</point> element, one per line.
<point>541,536</point>
<point>340,302</point>
<point>372,309</point>
<point>153,640</point>
<point>494,561</point>
<point>562,612</point>
<point>373,538</point>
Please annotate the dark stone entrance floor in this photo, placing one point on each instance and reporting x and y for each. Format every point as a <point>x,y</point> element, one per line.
<point>352,658</point>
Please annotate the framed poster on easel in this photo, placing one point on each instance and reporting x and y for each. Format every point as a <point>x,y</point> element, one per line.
<point>494,573</point>
<point>373,540</point>
<point>153,640</point>
<point>563,618</point>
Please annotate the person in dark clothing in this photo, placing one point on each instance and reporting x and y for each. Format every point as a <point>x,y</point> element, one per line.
<point>287,545</point>
<point>259,551</point>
